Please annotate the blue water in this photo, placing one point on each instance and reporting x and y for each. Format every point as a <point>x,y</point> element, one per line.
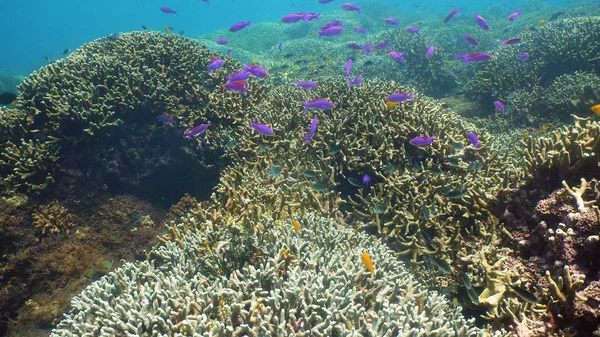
<point>38,28</point>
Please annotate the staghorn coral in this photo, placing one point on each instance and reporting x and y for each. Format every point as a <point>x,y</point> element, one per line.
<point>305,283</point>
<point>571,150</point>
<point>29,166</point>
<point>53,219</point>
<point>556,48</point>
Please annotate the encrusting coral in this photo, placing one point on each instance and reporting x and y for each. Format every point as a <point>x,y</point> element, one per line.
<point>306,283</point>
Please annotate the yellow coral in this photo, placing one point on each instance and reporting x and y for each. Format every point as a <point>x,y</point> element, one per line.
<point>53,219</point>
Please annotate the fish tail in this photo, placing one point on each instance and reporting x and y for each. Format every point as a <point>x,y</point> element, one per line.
<point>305,106</point>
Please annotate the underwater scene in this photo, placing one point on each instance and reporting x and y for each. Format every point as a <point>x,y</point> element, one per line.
<point>300,168</point>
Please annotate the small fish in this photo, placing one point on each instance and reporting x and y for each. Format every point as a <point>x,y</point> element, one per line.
<point>354,82</point>
<point>7,98</point>
<point>350,7</point>
<point>555,16</point>
<point>89,272</point>
<point>308,85</point>
<point>596,109</point>
<point>262,129</point>
<point>473,295</point>
<point>523,56</point>
<point>473,57</point>
<point>476,165</point>
<point>196,130</point>
<point>66,51</point>
<point>334,149</point>
<point>391,104</point>
<point>367,48</point>
<point>331,31</point>
<point>318,104</point>
<point>481,22</point>
<point>413,30</point>
<point>392,22</point>
<point>471,40</point>
<point>144,27</point>
<point>320,187</point>
<point>366,259</point>
<point>366,179</point>
<point>354,46</point>
<point>514,15</point>
<point>430,51</point>
<point>107,264</point>
<point>293,18</point>
<point>241,75</point>
<point>473,139</point>
<point>296,225</point>
<point>280,46</point>
<point>354,182</point>
<point>526,134</point>
<point>325,1</point>
<point>380,208</point>
<point>255,70</point>
<point>514,40</point>
<point>274,171</point>
<point>168,10</point>
<point>396,56</point>
<point>359,30</point>
<point>458,146</point>
<point>313,129</point>
<point>455,194</point>
<point>215,64</point>
<point>384,44</point>
<point>442,265</point>
<point>310,174</point>
<point>167,30</point>
<point>331,23</point>
<point>222,41</point>
<point>436,170</point>
<point>421,141</point>
<point>348,67</point>
<point>525,294</point>
<point>545,128</point>
<point>239,26</point>
<point>399,97</point>
<point>165,119</point>
<point>426,213</point>
<point>466,280</point>
<point>499,106</point>
<point>450,15</point>
<point>236,86</point>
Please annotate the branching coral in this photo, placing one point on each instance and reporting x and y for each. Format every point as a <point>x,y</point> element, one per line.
<point>53,219</point>
<point>324,291</point>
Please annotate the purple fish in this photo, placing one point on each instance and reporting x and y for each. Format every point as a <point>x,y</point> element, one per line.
<point>311,16</point>
<point>473,57</point>
<point>413,30</point>
<point>396,56</point>
<point>332,23</point>
<point>421,141</point>
<point>348,67</point>
<point>239,26</point>
<point>523,57</point>
<point>280,46</point>
<point>331,31</point>
<point>512,41</point>
<point>360,30</point>
<point>168,10</point>
<point>452,13</point>
<point>294,17</point>
<point>353,82</point>
<point>262,129</point>
<point>391,21</point>
<point>430,51</point>
<point>230,53</point>
<point>222,41</point>
<point>367,48</point>
<point>166,119</point>
<point>236,86</point>
<point>366,179</point>
<point>196,130</point>
<point>308,85</point>
<point>399,97</point>
<point>499,106</point>
<point>319,104</point>
<point>350,7</point>
<point>472,137</point>
<point>514,15</point>
<point>256,70</point>
<point>325,1</point>
<point>384,44</point>
<point>215,64</point>
<point>470,39</point>
<point>241,75</point>
<point>481,22</point>
<point>354,46</point>
<point>313,128</point>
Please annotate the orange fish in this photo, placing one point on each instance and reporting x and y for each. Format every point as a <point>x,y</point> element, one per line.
<point>596,109</point>
<point>254,61</point>
<point>526,134</point>
<point>296,225</point>
<point>366,259</point>
<point>391,104</point>
<point>541,22</point>
<point>167,30</point>
<point>13,102</point>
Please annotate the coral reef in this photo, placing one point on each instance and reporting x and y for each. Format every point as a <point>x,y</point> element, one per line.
<point>53,219</point>
<point>302,283</point>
